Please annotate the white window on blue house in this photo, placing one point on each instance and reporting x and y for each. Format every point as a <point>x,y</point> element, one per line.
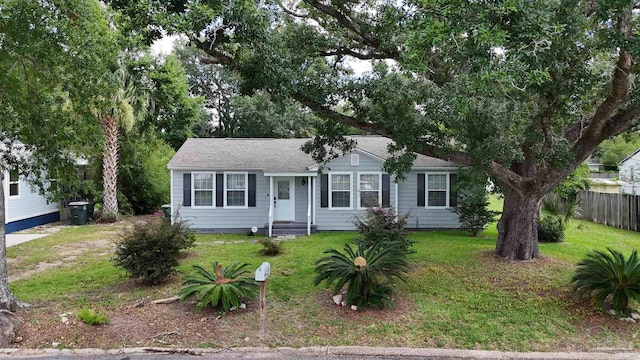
<point>203,189</point>
<point>370,189</point>
<point>437,190</point>
<point>14,183</point>
<point>235,189</point>
<point>340,191</point>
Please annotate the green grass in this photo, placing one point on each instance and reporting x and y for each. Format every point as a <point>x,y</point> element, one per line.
<point>456,295</point>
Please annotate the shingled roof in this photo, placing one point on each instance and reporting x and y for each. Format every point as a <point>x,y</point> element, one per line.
<point>271,155</point>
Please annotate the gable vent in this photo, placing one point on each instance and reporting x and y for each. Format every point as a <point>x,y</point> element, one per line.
<point>355,159</point>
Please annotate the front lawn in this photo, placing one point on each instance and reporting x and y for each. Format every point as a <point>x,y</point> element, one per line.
<point>457,295</point>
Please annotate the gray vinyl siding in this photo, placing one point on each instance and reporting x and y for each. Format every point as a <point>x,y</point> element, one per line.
<point>29,203</point>
<point>301,199</point>
<point>337,219</point>
<point>421,217</point>
<point>214,219</point>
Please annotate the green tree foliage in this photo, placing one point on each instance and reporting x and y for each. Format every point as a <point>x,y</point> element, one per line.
<point>143,175</point>
<point>523,91</point>
<point>614,150</point>
<point>473,201</point>
<point>233,114</point>
<point>151,251</point>
<point>175,112</point>
<point>52,55</point>
<point>225,287</point>
<point>366,272</point>
<point>575,182</point>
<point>601,274</point>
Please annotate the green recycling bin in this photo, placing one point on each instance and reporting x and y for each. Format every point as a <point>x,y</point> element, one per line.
<point>79,212</point>
<point>166,210</point>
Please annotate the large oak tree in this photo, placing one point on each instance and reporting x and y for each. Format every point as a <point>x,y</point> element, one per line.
<point>52,55</point>
<point>522,90</point>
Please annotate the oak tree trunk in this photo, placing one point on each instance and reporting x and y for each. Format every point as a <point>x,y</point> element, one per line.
<point>517,228</point>
<point>110,166</point>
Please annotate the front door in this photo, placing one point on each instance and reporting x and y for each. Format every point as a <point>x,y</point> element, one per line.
<point>284,199</point>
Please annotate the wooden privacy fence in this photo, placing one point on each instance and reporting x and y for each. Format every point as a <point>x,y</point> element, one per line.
<point>617,210</point>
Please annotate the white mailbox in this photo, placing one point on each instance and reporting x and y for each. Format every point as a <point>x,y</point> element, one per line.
<point>263,272</point>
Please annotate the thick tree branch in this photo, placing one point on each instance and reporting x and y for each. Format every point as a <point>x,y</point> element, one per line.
<point>350,24</point>
<point>344,51</point>
<point>620,84</point>
<point>217,57</point>
<point>290,12</point>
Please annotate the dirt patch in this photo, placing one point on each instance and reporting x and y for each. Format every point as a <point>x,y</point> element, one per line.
<point>75,249</point>
<point>40,267</point>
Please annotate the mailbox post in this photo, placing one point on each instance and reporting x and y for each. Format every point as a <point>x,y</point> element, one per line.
<point>262,273</point>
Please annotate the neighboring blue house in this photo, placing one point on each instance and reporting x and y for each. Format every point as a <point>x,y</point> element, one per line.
<point>25,207</point>
<point>233,185</point>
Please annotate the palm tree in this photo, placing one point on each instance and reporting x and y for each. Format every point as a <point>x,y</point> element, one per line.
<point>115,112</point>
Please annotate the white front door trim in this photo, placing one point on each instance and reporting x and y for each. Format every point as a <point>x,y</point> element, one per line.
<point>285,209</point>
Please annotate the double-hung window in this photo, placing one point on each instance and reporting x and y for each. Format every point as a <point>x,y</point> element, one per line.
<point>14,183</point>
<point>340,191</point>
<point>203,189</point>
<point>437,189</point>
<point>235,189</point>
<point>370,190</point>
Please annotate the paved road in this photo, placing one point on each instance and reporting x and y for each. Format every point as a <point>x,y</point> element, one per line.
<point>312,353</point>
<point>220,357</point>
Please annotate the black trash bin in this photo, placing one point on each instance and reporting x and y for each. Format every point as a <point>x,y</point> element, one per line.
<point>166,210</point>
<point>79,212</point>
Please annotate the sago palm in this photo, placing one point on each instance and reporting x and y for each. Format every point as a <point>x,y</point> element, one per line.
<point>115,112</point>
<point>366,272</point>
<point>601,274</point>
<point>225,286</point>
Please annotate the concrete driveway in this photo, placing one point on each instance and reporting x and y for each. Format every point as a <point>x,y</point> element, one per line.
<point>15,239</point>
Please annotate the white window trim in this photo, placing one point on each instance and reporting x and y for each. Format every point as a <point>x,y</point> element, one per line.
<point>9,183</point>
<point>426,190</point>
<point>246,189</point>
<point>193,190</point>
<point>331,207</point>
<point>360,207</point>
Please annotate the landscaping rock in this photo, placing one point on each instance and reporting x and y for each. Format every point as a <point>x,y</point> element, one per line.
<point>243,306</point>
<point>65,320</point>
<point>55,344</point>
<point>138,304</point>
<point>354,307</point>
<point>8,324</point>
<point>635,316</point>
<point>337,299</point>
<point>343,303</point>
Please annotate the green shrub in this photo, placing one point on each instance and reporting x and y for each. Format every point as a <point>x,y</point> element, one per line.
<point>472,209</point>
<point>601,274</point>
<point>550,229</point>
<point>367,272</point>
<point>380,226</point>
<point>223,287</point>
<point>271,247</point>
<point>92,317</point>
<point>150,251</point>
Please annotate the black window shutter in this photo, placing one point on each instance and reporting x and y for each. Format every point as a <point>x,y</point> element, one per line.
<point>186,189</point>
<point>252,190</point>
<point>386,191</point>
<point>324,190</point>
<point>219,190</point>
<point>421,195</point>
<point>453,195</point>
